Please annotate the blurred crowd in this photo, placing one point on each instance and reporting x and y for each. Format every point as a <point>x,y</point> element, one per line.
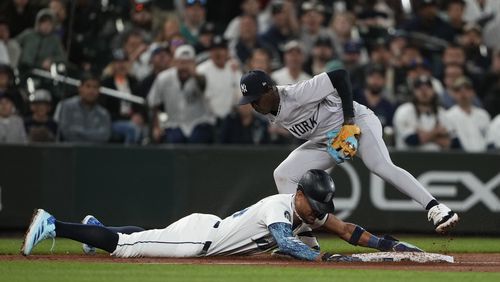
<point>167,71</point>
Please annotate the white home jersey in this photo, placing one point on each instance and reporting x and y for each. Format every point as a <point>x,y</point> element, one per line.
<point>244,232</point>
<point>312,108</point>
<point>470,128</point>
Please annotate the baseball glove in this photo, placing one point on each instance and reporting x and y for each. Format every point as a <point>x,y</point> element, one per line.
<point>343,144</point>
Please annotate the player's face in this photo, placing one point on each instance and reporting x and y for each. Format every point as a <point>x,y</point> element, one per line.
<point>304,209</point>
<point>266,103</point>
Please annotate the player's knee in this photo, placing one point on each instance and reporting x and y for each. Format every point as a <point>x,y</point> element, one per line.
<point>281,179</point>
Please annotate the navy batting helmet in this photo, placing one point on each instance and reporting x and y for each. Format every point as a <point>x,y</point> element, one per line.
<point>318,187</point>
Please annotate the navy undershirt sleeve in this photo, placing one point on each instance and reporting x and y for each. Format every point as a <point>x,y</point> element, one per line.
<point>288,244</point>
<point>341,81</point>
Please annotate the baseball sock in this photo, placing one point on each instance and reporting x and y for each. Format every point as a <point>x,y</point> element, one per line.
<point>431,204</point>
<point>94,235</point>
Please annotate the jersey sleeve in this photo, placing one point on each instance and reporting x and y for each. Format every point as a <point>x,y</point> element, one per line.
<point>288,244</point>
<point>314,90</point>
<point>276,211</point>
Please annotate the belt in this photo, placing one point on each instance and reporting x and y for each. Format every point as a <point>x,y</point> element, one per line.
<point>207,244</point>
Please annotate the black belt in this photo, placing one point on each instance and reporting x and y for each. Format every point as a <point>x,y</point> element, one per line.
<point>207,244</point>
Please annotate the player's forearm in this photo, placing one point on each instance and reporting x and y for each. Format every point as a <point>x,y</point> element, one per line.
<point>290,245</point>
<point>361,237</point>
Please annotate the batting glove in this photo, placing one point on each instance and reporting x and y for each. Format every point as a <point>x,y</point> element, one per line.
<point>389,243</point>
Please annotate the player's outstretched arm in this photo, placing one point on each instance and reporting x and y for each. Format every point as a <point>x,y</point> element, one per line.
<point>357,236</point>
<point>288,244</point>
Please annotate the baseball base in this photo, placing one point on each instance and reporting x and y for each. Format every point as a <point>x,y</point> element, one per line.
<point>404,256</point>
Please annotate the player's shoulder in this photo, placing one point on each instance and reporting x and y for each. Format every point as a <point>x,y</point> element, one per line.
<point>166,74</point>
<point>277,199</point>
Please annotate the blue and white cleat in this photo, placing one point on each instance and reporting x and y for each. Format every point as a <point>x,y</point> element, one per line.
<point>90,220</point>
<point>42,226</point>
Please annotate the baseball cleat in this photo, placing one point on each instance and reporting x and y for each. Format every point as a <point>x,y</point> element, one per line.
<point>444,218</point>
<point>42,226</point>
<point>90,220</point>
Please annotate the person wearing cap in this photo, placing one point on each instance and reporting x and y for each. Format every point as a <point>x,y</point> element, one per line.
<point>40,47</point>
<point>455,15</point>
<point>257,229</point>
<point>181,92</point>
<point>205,38</point>
<point>80,118</point>
<point>194,16</point>
<point>318,110</point>
<point>422,123</point>
<point>293,69</point>
<point>128,119</point>
<point>222,76</point>
<point>485,13</point>
<point>321,53</point>
<point>311,22</point>
<point>11,125</point>
<point>40,127</point>
<point>469,123</point>
<point>160,60</point>
<point>476,53</point>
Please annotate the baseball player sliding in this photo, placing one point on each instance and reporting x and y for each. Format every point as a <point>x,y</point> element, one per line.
<point>321,110</point>
<point>256,229</point>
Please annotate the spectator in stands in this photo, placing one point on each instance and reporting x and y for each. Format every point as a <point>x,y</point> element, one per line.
<point>485,13</point>
<point>11,46</point>
<point>455,15</point>
<point>491,86</point>
<point>468,122</point>
<point>311,20</point>
<point>477,57</point>
<point>244,126</point>
<point>493,136</point>
<point>249,8</point>
<point>421,123</point>
<point>19,14</point>
<point>81,118</point>
<point>248,40</point>
<point>260,59</point>
<point>292,71</point>
<point>223,79</point>
<point>427,21</point>
<point>341,27</point>
<point>181,92</point>
<point>59,10</point>
<point>322,53</point>
<point>193,19</point>
<point>40,46</point>
<point>283,28</point>
<point>161,59</point>
<point>452,72</point>
<point>40,127</point>
<point>128,119</point>
<point>170,28</point>
<point>8,87</point>
<point>135,48</point>
<point>11,125</point>
<point>374,95</point>
<point>202,47</point>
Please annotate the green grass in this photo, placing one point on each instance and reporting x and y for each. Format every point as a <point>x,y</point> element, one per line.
<point>26,270</point>
<point>67,271</point>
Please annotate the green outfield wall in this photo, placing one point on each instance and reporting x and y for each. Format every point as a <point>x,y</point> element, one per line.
<point>153,186</point>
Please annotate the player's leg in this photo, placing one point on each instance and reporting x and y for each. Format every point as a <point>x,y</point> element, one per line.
<point>92,220</point>
<point>43,225</point>
<point>187,237</point>
<point>308,156</point>
<point>374,153</point>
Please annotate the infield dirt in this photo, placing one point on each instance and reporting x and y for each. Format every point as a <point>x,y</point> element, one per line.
<point>477,262</point>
